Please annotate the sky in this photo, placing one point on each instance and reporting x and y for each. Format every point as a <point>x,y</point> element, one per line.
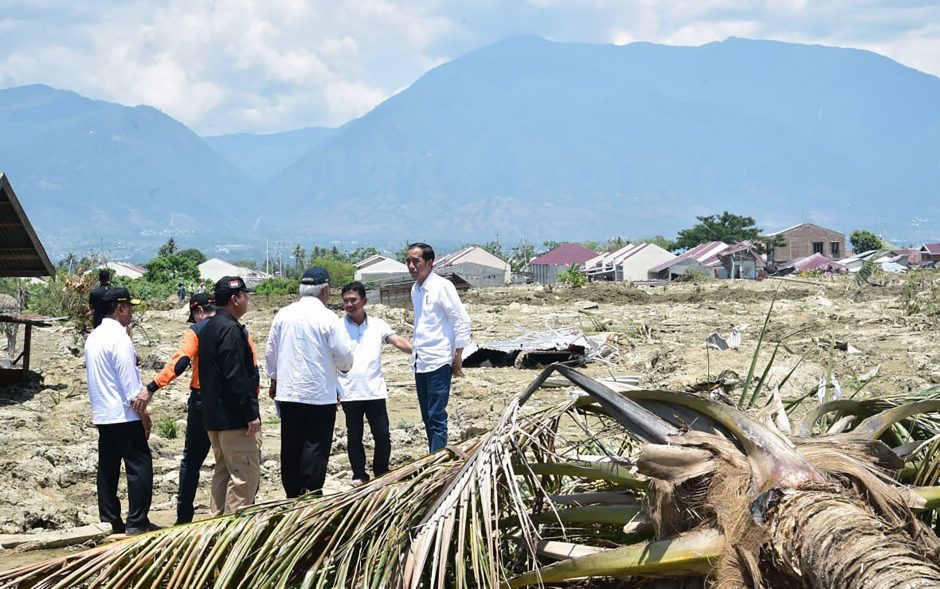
<point>263,66</point>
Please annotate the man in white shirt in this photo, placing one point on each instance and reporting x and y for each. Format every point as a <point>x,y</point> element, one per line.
<point>307,347</point>
<point>113,386</point>
<point>441,331</point>
<point>363,390</point>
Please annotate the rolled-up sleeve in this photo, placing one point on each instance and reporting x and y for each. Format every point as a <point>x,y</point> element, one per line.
<point>459,318</point>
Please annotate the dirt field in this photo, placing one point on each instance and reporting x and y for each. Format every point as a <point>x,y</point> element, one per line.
<point>47,465</point>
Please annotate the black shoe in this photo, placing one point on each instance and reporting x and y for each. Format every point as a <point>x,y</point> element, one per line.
<point>117,527</point>
<point>148,528</point>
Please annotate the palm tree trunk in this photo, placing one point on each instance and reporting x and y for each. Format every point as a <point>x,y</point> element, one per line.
<point>831,541</point>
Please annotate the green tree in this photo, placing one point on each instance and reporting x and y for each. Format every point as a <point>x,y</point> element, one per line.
<point>246,263</point>
<point>341,273</point>
<point>172,269</point>
<point>551,244</point>
<point>658,240</point>
<point>864,241</point>
<point>167,248</point>
<point>300,258</point>
<point>727,227</point>
<point>360,253</point>
<point>193,254</point>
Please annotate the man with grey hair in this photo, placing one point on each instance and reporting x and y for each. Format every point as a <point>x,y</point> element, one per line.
<point>307,347</point>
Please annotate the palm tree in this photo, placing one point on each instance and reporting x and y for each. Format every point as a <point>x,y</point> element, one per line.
<point>627,484</point>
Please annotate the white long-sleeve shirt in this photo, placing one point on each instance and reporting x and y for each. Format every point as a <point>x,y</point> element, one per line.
<point>307,346</point>
<point>113,377</point>
<point>441,324</point>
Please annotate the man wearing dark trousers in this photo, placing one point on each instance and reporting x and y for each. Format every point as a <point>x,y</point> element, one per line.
<point>113,387</point>
<point>363,391</point>
<point>228,377</point>
<point>95,297</point>
<point>196,446</point>
<point>307,346</point>
<point>441,330</point>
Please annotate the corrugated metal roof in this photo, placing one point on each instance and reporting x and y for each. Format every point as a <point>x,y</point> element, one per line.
<point>814,262</point>
<point>565,254</point>
<point>704,253</point>
<point>21,252</point>
<point>931,248</point>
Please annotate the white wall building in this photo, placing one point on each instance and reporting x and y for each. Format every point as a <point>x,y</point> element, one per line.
<point>379,267</point>
<point>214,269</point>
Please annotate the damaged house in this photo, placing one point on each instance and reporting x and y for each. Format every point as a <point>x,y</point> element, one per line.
<point>631,262</point>
<point>546,268</point>
<point>802,241</point>
<point>702,258</point>
<point>475,265</point>
<point>741,260</point>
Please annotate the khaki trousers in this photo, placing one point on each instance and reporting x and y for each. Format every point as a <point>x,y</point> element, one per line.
<point>237,470</point>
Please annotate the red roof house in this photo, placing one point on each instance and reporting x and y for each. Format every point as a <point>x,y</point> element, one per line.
<point>547,267</point>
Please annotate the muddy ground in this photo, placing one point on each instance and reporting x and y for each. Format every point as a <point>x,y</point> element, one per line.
<point>48,457</point>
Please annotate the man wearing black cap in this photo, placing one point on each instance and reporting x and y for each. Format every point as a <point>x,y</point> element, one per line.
<point>196,446</point>
<point>94,298</point>
<point>113,386</point>
<point>307,346</point>
<point>228,376</point>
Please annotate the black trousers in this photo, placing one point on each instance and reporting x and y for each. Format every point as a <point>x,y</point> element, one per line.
<point>306,439</point>
<point>374,411</point>
<point>125,442</point>
<point>195,449</point>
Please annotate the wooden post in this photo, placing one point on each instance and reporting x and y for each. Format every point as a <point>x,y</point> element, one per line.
<point>27,339</point>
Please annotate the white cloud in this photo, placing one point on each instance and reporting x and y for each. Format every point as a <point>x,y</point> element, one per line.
<point>269,65</point>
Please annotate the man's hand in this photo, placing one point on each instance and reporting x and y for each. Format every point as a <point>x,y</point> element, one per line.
<point>254,427</point>
<point>147,422</point>
<point>139,403</point>
<point>272,391</point>
<point>457,367</point>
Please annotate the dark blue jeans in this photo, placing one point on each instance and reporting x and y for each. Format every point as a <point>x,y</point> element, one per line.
<point>433,394</point>
<point>195,450</point>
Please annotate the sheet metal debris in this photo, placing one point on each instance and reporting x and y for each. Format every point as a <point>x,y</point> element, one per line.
<point>720,342</point>
<point>567,345</point>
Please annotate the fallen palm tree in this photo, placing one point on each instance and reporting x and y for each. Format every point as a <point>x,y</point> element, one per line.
<point>627,485</point>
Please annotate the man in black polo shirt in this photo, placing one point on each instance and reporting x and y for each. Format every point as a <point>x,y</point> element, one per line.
<point>228,375</point>
<point>96,298</point>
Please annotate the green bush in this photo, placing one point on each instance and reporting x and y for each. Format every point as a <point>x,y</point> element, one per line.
<point>167,428</point>
<point>572,276</point>
<point>278,287</point>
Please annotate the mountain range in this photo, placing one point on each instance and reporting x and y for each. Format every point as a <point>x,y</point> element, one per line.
<point>526,137</point>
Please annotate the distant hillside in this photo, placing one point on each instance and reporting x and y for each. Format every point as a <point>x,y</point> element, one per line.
<point>533,137</point>
<point>261,157</point>
<point>91,169</point>
<point>523,137</point>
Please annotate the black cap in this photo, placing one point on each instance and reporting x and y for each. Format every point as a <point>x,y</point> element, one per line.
<point>118,294</point>
<point>315,275</point>
<point>200,299</point>
<point>229,285</point>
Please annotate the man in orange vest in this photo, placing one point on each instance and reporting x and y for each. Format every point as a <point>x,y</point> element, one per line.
<point>196,446</point>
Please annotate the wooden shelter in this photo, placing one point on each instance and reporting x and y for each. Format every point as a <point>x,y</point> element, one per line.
<point>21,255</point>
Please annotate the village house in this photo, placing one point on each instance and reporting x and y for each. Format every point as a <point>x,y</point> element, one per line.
<point>475,265</point>
<point>546,268</point>
<point>124,269</point>
<point>378,267</point>
<point>214,269</point>
<point>741,260</point>
<point>702,258</point>
<point>804,240</point>
<point>631,262</point>
<point>929,254</point>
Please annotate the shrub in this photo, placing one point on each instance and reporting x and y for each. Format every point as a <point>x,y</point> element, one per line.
<point>167,428</point>
<point>572,276</point>
<point>278,287</point>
